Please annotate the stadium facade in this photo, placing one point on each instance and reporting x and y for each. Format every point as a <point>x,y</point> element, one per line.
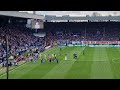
<point>68,18</point>
<point>62,31</point>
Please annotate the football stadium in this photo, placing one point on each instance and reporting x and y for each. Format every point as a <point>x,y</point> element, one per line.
<point>59,47</point>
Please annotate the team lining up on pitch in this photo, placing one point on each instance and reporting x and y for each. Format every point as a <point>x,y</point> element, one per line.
<point>74,56</point>
<point>59,49</point>
<point>33,55</point>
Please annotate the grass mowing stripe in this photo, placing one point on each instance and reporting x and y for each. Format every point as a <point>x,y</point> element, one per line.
<point>29,73</point>
<point>34,70</point>
<point>81,68</point>
<point>91,65</point>
<point>12,69</point>
<point>101,70</point>
<point>3,69</point>
<point>38,71</point>
<point>60,70</point>
<point>114,53</point>
<point>44,68</point>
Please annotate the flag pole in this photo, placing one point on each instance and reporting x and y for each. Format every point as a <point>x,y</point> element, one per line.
<point>7,67</point>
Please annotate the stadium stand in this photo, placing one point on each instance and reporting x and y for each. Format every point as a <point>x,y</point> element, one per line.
<point>57,33</point>
<point>66,32</point>
<point>20,38</point>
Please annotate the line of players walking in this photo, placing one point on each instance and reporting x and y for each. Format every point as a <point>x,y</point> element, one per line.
<point>30,57</point>
<point>49,58</point>
<point>33,57</point>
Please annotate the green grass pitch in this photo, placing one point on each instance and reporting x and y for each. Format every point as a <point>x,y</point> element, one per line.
<point>97,63</point>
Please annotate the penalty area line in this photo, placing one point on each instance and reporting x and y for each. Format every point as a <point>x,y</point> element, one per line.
<point>114,59</point>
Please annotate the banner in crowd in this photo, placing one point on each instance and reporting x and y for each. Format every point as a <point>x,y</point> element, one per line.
<point>101,45</point>
<point>76,42</point>
<point>77,45</point>
<point>100,42</point>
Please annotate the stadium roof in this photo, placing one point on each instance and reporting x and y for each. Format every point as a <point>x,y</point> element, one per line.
<point>78,16</point>
<point>21,14</point>
<point>51,18</point>
<point>76,13</point>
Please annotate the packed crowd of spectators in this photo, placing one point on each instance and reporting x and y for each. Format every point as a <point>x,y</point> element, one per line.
<point>20,39</point>
<point>68,32</point>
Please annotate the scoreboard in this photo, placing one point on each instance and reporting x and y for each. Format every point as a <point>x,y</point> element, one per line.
<point>35,24</point>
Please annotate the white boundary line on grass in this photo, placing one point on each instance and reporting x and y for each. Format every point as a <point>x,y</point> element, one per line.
<point>14,69</point>
<point>85,60</point>
<point>114,59</point>
<point>91,61</point>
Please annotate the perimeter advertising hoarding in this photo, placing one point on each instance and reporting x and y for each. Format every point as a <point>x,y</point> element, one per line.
<point>95,45</point>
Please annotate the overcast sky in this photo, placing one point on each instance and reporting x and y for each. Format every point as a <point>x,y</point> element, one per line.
<point>75,13</point>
